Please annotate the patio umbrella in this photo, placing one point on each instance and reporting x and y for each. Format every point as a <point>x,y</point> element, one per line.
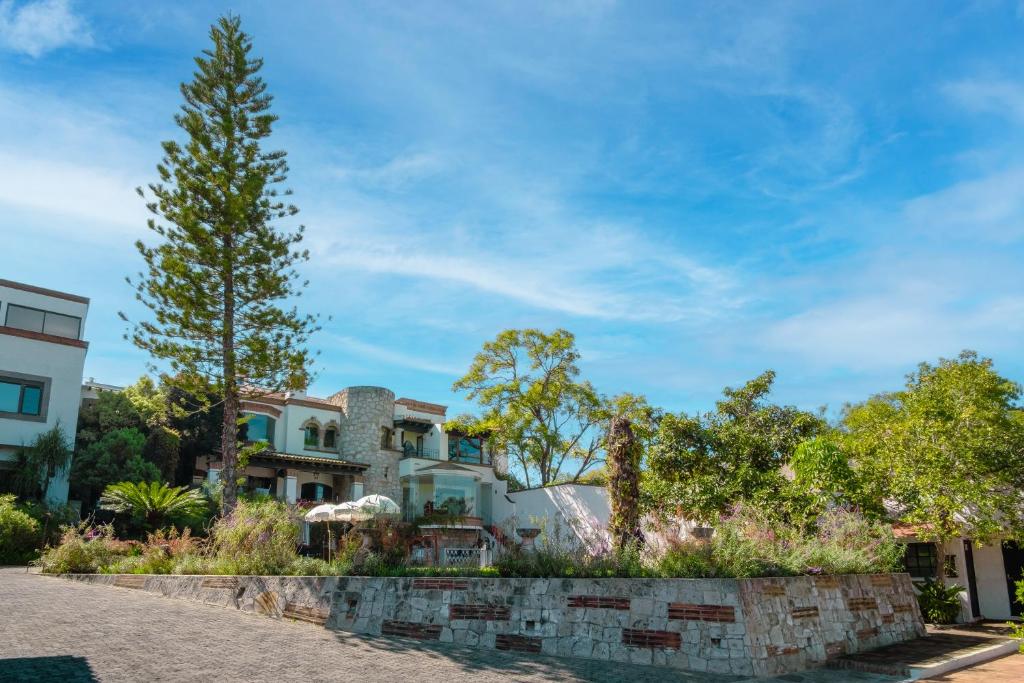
<point>349,512</point>
<point>320,513</point>
<point>377,504</point>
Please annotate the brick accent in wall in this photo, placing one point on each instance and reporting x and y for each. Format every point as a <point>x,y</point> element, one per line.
<point>440,584</point>
<point>482,612</point>
<point>903,607</point>
<point>857,604</point>
<point>826,582</point>
<point>691,612</point>
<point>298,612</point>
<point>865,633</point>
<point>835,649</point>
<point>776,650</point>
<point>219,582</point>
<point>881,580</point>
<point>506,641</point>
<point>600,602</point>
<point>130,581</point>
<point>409,629</point>
<point>669,640</point>
<point>804,612</point>
<point>773,589</point>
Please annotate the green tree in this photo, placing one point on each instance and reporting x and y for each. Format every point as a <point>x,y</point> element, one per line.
<point>535,407</point>
<point>116,456</point>
<point>162,448</point>
<point>153,504</point>
<point>946,452</point>
<point>112,410</point>
<point>701,464</point>
<point>218,280</point>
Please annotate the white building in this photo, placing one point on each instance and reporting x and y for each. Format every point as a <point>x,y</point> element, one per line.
<point>42,354</point>
<point>987,573</point>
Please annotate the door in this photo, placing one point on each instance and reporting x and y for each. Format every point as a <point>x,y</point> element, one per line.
<point>972,579</point>
<point>1013,562</point>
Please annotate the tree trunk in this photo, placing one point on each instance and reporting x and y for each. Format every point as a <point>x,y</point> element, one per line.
<point>623,485</point>
<point>229,432</point>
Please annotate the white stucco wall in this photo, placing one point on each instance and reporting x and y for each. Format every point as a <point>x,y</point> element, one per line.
<point>59,363</point>
<point>584,509</point>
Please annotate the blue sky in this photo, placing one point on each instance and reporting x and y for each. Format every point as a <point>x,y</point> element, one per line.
<point>699,191</point>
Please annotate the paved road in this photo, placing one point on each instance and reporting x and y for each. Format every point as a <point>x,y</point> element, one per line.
<point>56,630</point>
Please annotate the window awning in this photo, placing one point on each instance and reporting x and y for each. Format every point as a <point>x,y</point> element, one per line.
<point>414,424</point>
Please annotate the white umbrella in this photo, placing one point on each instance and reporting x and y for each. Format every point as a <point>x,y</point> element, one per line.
<point>320,513</point>
<point>377,504</point>
<point>349,512</point>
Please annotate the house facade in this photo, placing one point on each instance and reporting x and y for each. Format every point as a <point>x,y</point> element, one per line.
<point>42,355</point>
<point>363,440</point>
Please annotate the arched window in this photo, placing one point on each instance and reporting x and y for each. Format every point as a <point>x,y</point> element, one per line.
<point>330,438</point>
<point>315,491</point>
<point>386,437</point>
<point>312,435</point>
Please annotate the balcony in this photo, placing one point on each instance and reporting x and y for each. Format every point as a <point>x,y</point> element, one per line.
<point>411,451</point>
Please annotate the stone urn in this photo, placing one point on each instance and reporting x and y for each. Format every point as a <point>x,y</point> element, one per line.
<point>529,535</point>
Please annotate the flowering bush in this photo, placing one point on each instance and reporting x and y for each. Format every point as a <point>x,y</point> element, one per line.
<point>86,549</point>
<point>258,537</point>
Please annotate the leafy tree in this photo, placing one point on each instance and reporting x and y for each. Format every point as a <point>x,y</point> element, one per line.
<point>217,280</point>
<point>197,421</point>
<point>624,457</point>
<point>152,504</point>
<point>825,477</point>
<point>701,464</point>
<point>111,411</point>
<point>149,401</point>
<point>48,455</point>
<point>947,452</point>
<point>116,456</point>
<point>537,409</point>
<point>162,448</point>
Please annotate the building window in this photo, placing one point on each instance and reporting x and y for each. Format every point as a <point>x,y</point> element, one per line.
<point>386,437</point>
<point>258,428</point>
<point>920,560</point>
<point>47,322</point>
<point>315,491</point>
<point>330,438</point>
<point>468,449</point>
<point>312,436</point>
<point>23,397</point>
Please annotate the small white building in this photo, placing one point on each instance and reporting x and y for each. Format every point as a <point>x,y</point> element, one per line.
<point>42,355</point>
<point>987,573</point>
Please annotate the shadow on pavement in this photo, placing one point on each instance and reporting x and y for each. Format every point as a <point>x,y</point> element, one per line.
<point>66,669</point>
<point>536,667</point>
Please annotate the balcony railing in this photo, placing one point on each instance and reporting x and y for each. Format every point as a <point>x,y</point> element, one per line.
<point>411,451</point>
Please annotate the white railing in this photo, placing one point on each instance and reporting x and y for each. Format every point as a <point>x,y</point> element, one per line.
<point>462,557</point>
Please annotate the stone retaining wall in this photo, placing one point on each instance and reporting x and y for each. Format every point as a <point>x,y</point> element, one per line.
<point>743,627</point>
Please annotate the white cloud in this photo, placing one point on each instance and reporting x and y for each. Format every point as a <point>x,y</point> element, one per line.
<point>991,206</point>
<point>36,28</point>
<point>385,355</point>
<point>991,96</point>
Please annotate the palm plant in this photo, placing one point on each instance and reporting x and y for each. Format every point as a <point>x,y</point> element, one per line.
<point>153,503</point>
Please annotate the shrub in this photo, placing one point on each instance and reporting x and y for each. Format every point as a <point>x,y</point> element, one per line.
<point>20,534</point>
<point>940,604</point>
<point>1016,627</point>
<point>258,537</point>
<point>85,549</point>
<point>159,555</point>
<point>153,505</point>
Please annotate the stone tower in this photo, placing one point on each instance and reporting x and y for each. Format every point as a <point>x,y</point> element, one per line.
<point>366,413</point>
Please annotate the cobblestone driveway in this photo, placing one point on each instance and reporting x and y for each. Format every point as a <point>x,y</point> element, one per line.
<point>56,630</point>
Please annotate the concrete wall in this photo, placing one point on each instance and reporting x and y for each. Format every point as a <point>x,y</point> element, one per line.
<point>741,627</point>
<point>993,591</point>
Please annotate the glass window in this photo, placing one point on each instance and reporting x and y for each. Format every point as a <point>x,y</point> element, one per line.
<point>48,322</point>
<point>330,439</point>
<point>312,437</point>
<point>31,400</point>
<point>25,318</point>
<point>21,397</point>
<point>10,397</point>
<point>455,495</point>
<point>62,325</point>
<point>259,428</point>
<point>920,560</point>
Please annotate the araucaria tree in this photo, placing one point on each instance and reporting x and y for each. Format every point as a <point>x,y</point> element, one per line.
<point>220,279</point>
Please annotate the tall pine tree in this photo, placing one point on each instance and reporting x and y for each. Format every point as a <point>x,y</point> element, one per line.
<point>219,279</point>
